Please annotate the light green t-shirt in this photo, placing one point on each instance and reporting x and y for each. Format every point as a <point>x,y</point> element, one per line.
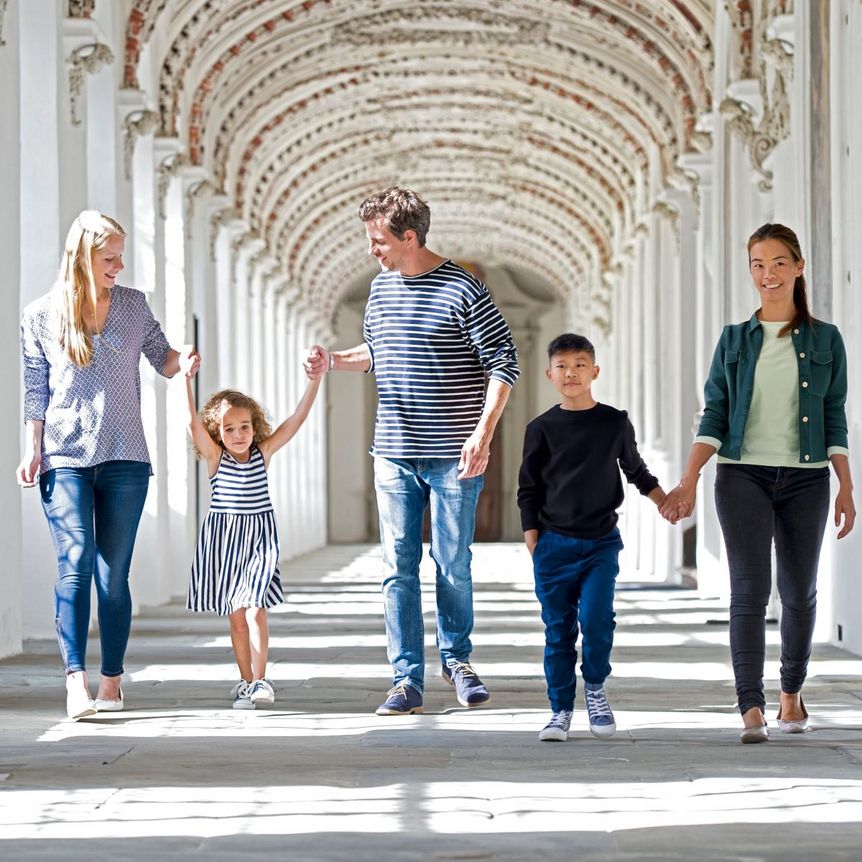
<point>772,431</point>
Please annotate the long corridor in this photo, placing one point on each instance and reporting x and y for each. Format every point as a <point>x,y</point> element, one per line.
<point>318,776</point>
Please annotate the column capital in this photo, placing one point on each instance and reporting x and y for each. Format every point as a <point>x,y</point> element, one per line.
<point>86,52</point>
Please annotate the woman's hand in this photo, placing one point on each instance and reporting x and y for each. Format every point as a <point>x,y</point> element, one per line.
<point>27,473</point>
<point>844,507</point>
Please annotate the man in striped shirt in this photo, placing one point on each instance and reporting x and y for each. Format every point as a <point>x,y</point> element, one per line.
<point>432,333</point>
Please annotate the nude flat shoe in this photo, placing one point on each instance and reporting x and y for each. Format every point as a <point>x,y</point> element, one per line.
<point>754,734</point>
<point>788,725</point>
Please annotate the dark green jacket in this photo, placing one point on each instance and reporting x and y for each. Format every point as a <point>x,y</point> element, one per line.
<point>822,363</point>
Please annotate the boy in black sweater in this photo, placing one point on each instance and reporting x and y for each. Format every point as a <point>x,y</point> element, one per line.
<point>569,489</point>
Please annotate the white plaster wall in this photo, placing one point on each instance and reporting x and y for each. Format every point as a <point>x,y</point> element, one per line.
<point>11,619</point>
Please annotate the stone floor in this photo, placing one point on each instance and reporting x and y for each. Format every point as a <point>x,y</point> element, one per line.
<point>319,777</point>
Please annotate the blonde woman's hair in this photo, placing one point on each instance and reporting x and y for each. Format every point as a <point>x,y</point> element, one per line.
<point>211,414</point>
<point>76,285</point>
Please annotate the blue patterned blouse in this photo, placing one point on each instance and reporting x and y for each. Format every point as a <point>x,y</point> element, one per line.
<point>91,414</point>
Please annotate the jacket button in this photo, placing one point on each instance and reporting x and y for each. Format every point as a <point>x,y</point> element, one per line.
<point>804,384</point>
<point>804,418</point>
<point>807,457</point>
<point>802,356</point>
<point>796,332</point>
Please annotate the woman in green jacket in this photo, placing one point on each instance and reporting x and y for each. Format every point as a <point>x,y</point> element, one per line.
<point>774,412</point>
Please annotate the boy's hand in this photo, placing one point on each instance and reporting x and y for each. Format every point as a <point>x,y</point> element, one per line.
<point>531,537</point>
<point>658,496</point>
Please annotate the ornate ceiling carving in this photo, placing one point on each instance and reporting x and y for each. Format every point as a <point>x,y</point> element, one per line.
<point>539,133</point>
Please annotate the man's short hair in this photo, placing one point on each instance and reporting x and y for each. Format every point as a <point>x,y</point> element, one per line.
<point>401,208</point>
<point>569,342</point>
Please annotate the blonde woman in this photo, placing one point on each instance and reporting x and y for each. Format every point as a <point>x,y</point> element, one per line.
<point>84,443</point>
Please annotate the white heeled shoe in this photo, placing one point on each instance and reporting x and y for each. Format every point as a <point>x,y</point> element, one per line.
<point>79,704</point>
<point>109,705</point>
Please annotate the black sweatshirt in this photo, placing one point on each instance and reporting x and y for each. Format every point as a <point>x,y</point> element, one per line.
<point>569,480</point>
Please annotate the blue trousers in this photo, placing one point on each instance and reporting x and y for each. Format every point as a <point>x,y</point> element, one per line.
<point>575,580</point>
<point>93,513</point>
<point>405,488</point>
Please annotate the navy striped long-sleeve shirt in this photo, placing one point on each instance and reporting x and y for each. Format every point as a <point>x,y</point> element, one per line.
<point>431,338</point>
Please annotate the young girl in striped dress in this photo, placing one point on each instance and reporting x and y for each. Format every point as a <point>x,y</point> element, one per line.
<point>235,570</point>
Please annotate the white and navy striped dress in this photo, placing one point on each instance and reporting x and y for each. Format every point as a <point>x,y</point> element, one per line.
<point>236,559</point>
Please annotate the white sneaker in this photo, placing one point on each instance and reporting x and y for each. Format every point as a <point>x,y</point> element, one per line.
<point>261,691</point>
<point>557,729</point>
<point>240,691</point>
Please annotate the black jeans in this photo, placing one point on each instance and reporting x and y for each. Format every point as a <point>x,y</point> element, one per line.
<point>756,505</point>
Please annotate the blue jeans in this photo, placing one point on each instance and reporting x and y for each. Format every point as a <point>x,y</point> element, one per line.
<point>756,505</point>
<point>93,513</point>
<point>575,580</point>
<point>405,487</point>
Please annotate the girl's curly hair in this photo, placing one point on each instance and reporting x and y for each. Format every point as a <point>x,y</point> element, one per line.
<point>211,414</point>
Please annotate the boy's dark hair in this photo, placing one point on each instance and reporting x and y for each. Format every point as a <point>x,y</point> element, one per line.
<point>568,342</point>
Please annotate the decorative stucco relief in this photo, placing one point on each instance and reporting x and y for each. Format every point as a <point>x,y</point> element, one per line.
<point>761,135</point>
<point>135,125</point>
<point>427,23</point>
<point>170,167</point>
<point>196,192</point>
<point>217,221</point>
<point>80,8</point>
<point>88,59</point>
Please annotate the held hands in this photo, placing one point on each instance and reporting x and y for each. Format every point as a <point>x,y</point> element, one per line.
<point>316,362</point>
<point>190,360</point>
<point>679,502</point>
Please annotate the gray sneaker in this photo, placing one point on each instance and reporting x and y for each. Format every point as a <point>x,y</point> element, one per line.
<point>240,692</point>
<point>599,710</point>
<point>557,729</point>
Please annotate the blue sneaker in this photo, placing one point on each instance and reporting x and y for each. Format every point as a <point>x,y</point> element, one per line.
<point>469,689</point>
<point>402,699</point>
<point>599,710</point>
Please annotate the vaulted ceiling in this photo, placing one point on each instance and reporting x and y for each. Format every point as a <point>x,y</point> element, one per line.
<point>539,130</point>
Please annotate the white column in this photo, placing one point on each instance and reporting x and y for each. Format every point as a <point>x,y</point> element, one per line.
<point>11,573</point>
<point>844,624</point>
<point>43,228</point>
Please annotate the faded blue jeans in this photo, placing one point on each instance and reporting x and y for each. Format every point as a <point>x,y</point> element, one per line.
<point>756,506</point>
<point>93,513</point>
<point>575,581</point>
<point>405,488</point>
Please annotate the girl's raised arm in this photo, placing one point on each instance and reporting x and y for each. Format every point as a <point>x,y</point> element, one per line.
<point>293,422</point>
<point>209,449</point>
